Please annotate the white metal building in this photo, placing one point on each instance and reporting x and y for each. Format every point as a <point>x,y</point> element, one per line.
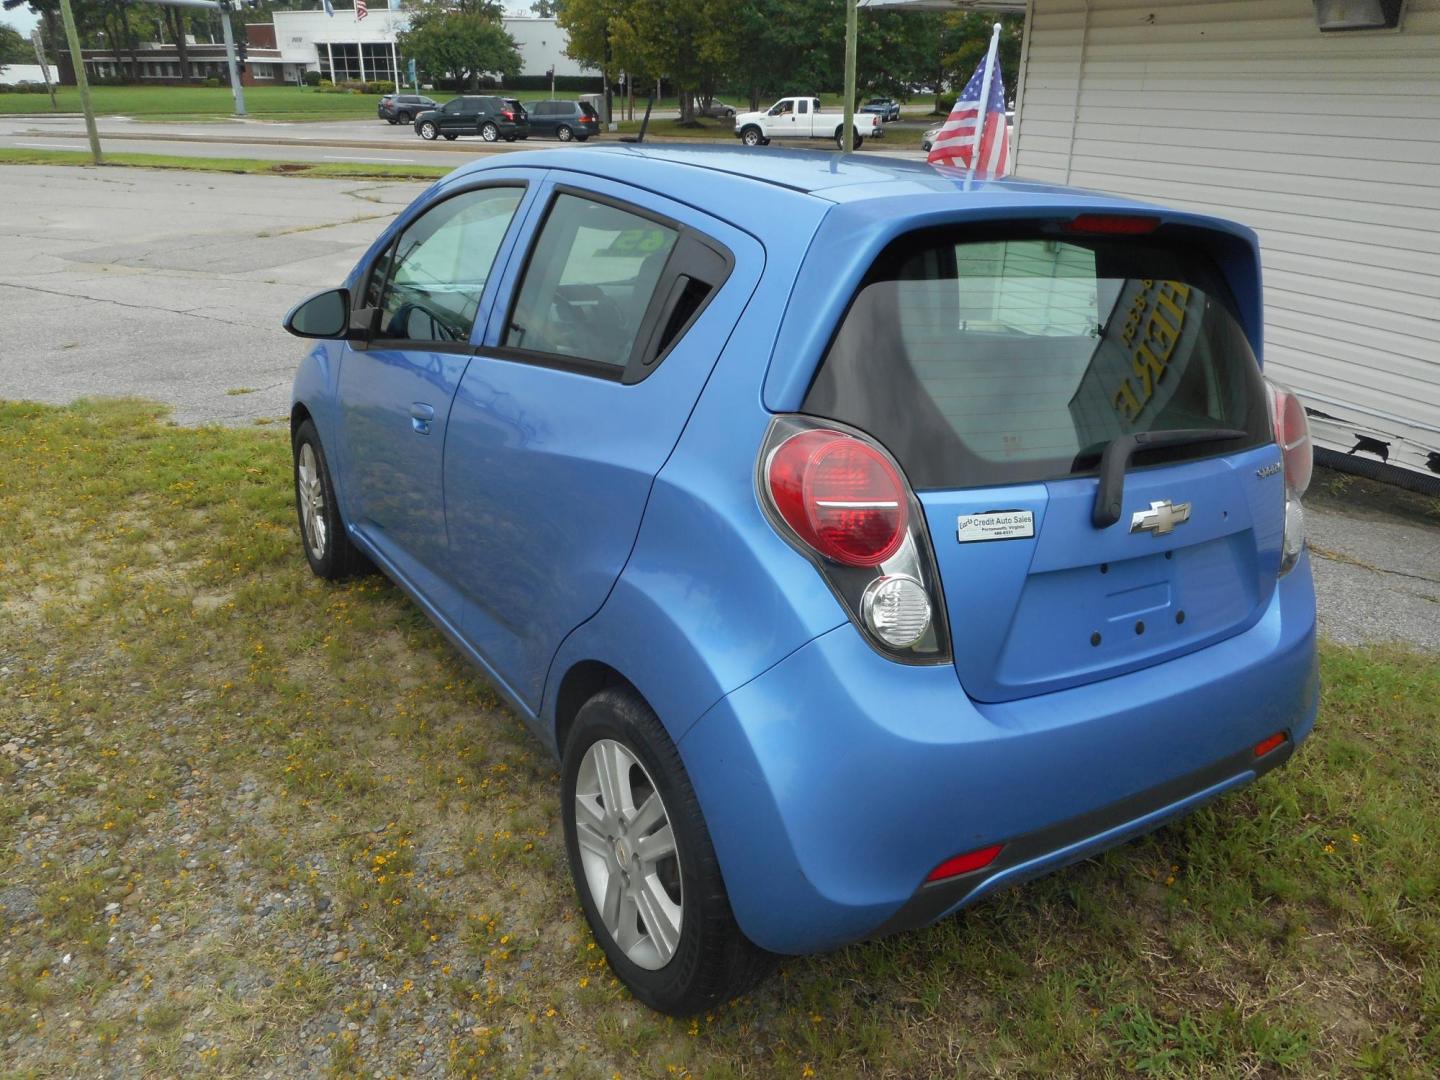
<point>1328,144</point>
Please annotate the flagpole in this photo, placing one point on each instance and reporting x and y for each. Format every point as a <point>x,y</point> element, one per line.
<point>982,117</point>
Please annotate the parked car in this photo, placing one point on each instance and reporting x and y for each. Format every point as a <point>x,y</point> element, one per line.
<point>885,108</point>
<point>403,108</point>
<point>802,118</point>
<point>860,548</point>
<point>492,118</point>
<point>717,110</point>
<point>566,120</point>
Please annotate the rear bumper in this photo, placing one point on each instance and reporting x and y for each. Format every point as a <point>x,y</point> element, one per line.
<point>837,780</point>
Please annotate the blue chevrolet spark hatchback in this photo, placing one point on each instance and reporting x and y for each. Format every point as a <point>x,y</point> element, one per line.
<point>862,539</point>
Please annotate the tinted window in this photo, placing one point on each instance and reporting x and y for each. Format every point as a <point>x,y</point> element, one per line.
<point>429,283</point>
<point>591,276</point>
<point>1018,360</point>
<point>588,109</point>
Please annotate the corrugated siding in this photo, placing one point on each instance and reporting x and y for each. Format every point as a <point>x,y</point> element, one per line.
<point>1327,145</point>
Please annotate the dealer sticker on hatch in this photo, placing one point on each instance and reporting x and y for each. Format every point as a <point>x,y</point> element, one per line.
<point>995,525</point>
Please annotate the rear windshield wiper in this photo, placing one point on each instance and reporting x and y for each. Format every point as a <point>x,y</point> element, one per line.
<point>1120,449</point>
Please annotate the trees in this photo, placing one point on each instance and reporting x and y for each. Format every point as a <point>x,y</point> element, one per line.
<point>14,49</point>
<point>461,41</point>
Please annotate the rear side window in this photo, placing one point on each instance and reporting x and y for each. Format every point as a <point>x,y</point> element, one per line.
<point>588,109</point>
<point>591,276</point>
<point>1017,360</point>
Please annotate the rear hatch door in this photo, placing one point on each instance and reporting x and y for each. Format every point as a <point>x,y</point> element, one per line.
<point>997,366</point>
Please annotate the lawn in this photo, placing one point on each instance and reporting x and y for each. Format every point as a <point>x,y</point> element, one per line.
<point>201,103</point>
<point>331,170</point>
<point>253,823</point>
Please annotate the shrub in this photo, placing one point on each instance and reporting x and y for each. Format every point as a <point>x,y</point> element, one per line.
<point>381,87</point>
<point>312,78</point>
<point>23,88</point>
<point>214,80</point>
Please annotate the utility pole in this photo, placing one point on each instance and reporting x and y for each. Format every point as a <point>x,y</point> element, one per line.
<point>852,31</point>
<point>37,40</point>
<point>77,61</point>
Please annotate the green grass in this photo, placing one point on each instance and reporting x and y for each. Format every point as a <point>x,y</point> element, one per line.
<point>200,102</point>
<point>331,170</point>
<point>224,727</point>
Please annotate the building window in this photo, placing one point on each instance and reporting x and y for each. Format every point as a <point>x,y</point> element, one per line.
<point>346,59</point>
<point>379,61</point>
<point>262,71</point>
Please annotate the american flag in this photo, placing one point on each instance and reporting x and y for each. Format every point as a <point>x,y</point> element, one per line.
<point>955,141</point>
<point>360,10</point>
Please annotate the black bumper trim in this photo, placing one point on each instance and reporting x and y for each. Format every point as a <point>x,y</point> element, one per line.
<point>931,901</point>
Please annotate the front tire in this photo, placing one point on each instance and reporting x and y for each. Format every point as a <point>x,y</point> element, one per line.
<point>428,131</point>
<point>643,864</point>
<point>752,136</point>
<point>489,132</point>
<point>564,134</point>
<point>327,545</point>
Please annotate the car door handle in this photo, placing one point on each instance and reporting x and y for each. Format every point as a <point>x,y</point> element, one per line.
<point>420,417</point>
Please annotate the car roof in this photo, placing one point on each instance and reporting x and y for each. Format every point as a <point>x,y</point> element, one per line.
<point>824,175</point>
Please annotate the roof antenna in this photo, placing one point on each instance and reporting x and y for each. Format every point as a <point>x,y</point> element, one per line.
<point>650,104</point>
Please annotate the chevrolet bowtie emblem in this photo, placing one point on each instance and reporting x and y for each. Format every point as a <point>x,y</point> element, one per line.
<point>1161,518</point>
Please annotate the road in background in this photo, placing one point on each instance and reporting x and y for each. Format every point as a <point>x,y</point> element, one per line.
<point>339,140</point>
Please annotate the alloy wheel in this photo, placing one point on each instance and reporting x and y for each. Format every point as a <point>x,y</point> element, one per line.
<point>628,854</point>
<point>312,501</point>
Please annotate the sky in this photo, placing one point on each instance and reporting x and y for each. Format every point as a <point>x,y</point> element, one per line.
<point>21,19</point>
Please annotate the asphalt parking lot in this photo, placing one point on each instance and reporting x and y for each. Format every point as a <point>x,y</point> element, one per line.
<point>172,285</point>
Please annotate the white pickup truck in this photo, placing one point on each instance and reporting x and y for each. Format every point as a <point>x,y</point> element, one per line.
<point>801,118</point>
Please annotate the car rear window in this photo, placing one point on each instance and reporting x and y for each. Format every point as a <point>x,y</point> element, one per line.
<point>1011,360</point>
<point>588,109</point>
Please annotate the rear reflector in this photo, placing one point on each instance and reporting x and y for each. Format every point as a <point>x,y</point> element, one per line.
<point>964,864</point>
<point>1272,743</point>
<point>1114,224</point>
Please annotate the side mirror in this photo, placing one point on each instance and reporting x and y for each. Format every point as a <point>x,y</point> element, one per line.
<point>324,315</point>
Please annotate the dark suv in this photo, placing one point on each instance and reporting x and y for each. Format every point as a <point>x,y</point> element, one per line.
<point>492,118</point>
<point>566,120</point>
<point>403,108</point>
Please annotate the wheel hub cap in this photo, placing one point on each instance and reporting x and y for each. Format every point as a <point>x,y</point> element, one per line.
<point>628,855</point>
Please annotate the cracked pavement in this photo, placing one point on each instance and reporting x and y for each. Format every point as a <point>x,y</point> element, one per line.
<point>171,285</point>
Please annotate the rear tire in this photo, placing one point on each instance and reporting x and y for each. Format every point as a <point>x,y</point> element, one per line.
<point>696,956</point>
<point>489,132</point>
<point>451,138</point>
<point>327,545</point>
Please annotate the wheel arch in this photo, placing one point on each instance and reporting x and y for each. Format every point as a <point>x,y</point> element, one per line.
<point>581,682</point>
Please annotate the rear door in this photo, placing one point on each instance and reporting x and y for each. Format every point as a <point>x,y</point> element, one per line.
<point>997,368</point>
<point>586,378</point>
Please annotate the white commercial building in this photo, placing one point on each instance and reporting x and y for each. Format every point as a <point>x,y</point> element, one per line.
<point>14,74</point>
<point>342,48</point>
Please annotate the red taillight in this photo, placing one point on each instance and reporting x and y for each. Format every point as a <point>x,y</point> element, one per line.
<point>840,495</point>
<point>507,115</point>
<point>1292,432</point>
<point>1114,224</point>
<point>1274,742</point>
<point>964,864</point>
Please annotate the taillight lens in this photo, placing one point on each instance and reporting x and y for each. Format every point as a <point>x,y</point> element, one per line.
<point>840,496</point>
<point>842,501</point>
<point>507,115</point>
<point>1292,434</point>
